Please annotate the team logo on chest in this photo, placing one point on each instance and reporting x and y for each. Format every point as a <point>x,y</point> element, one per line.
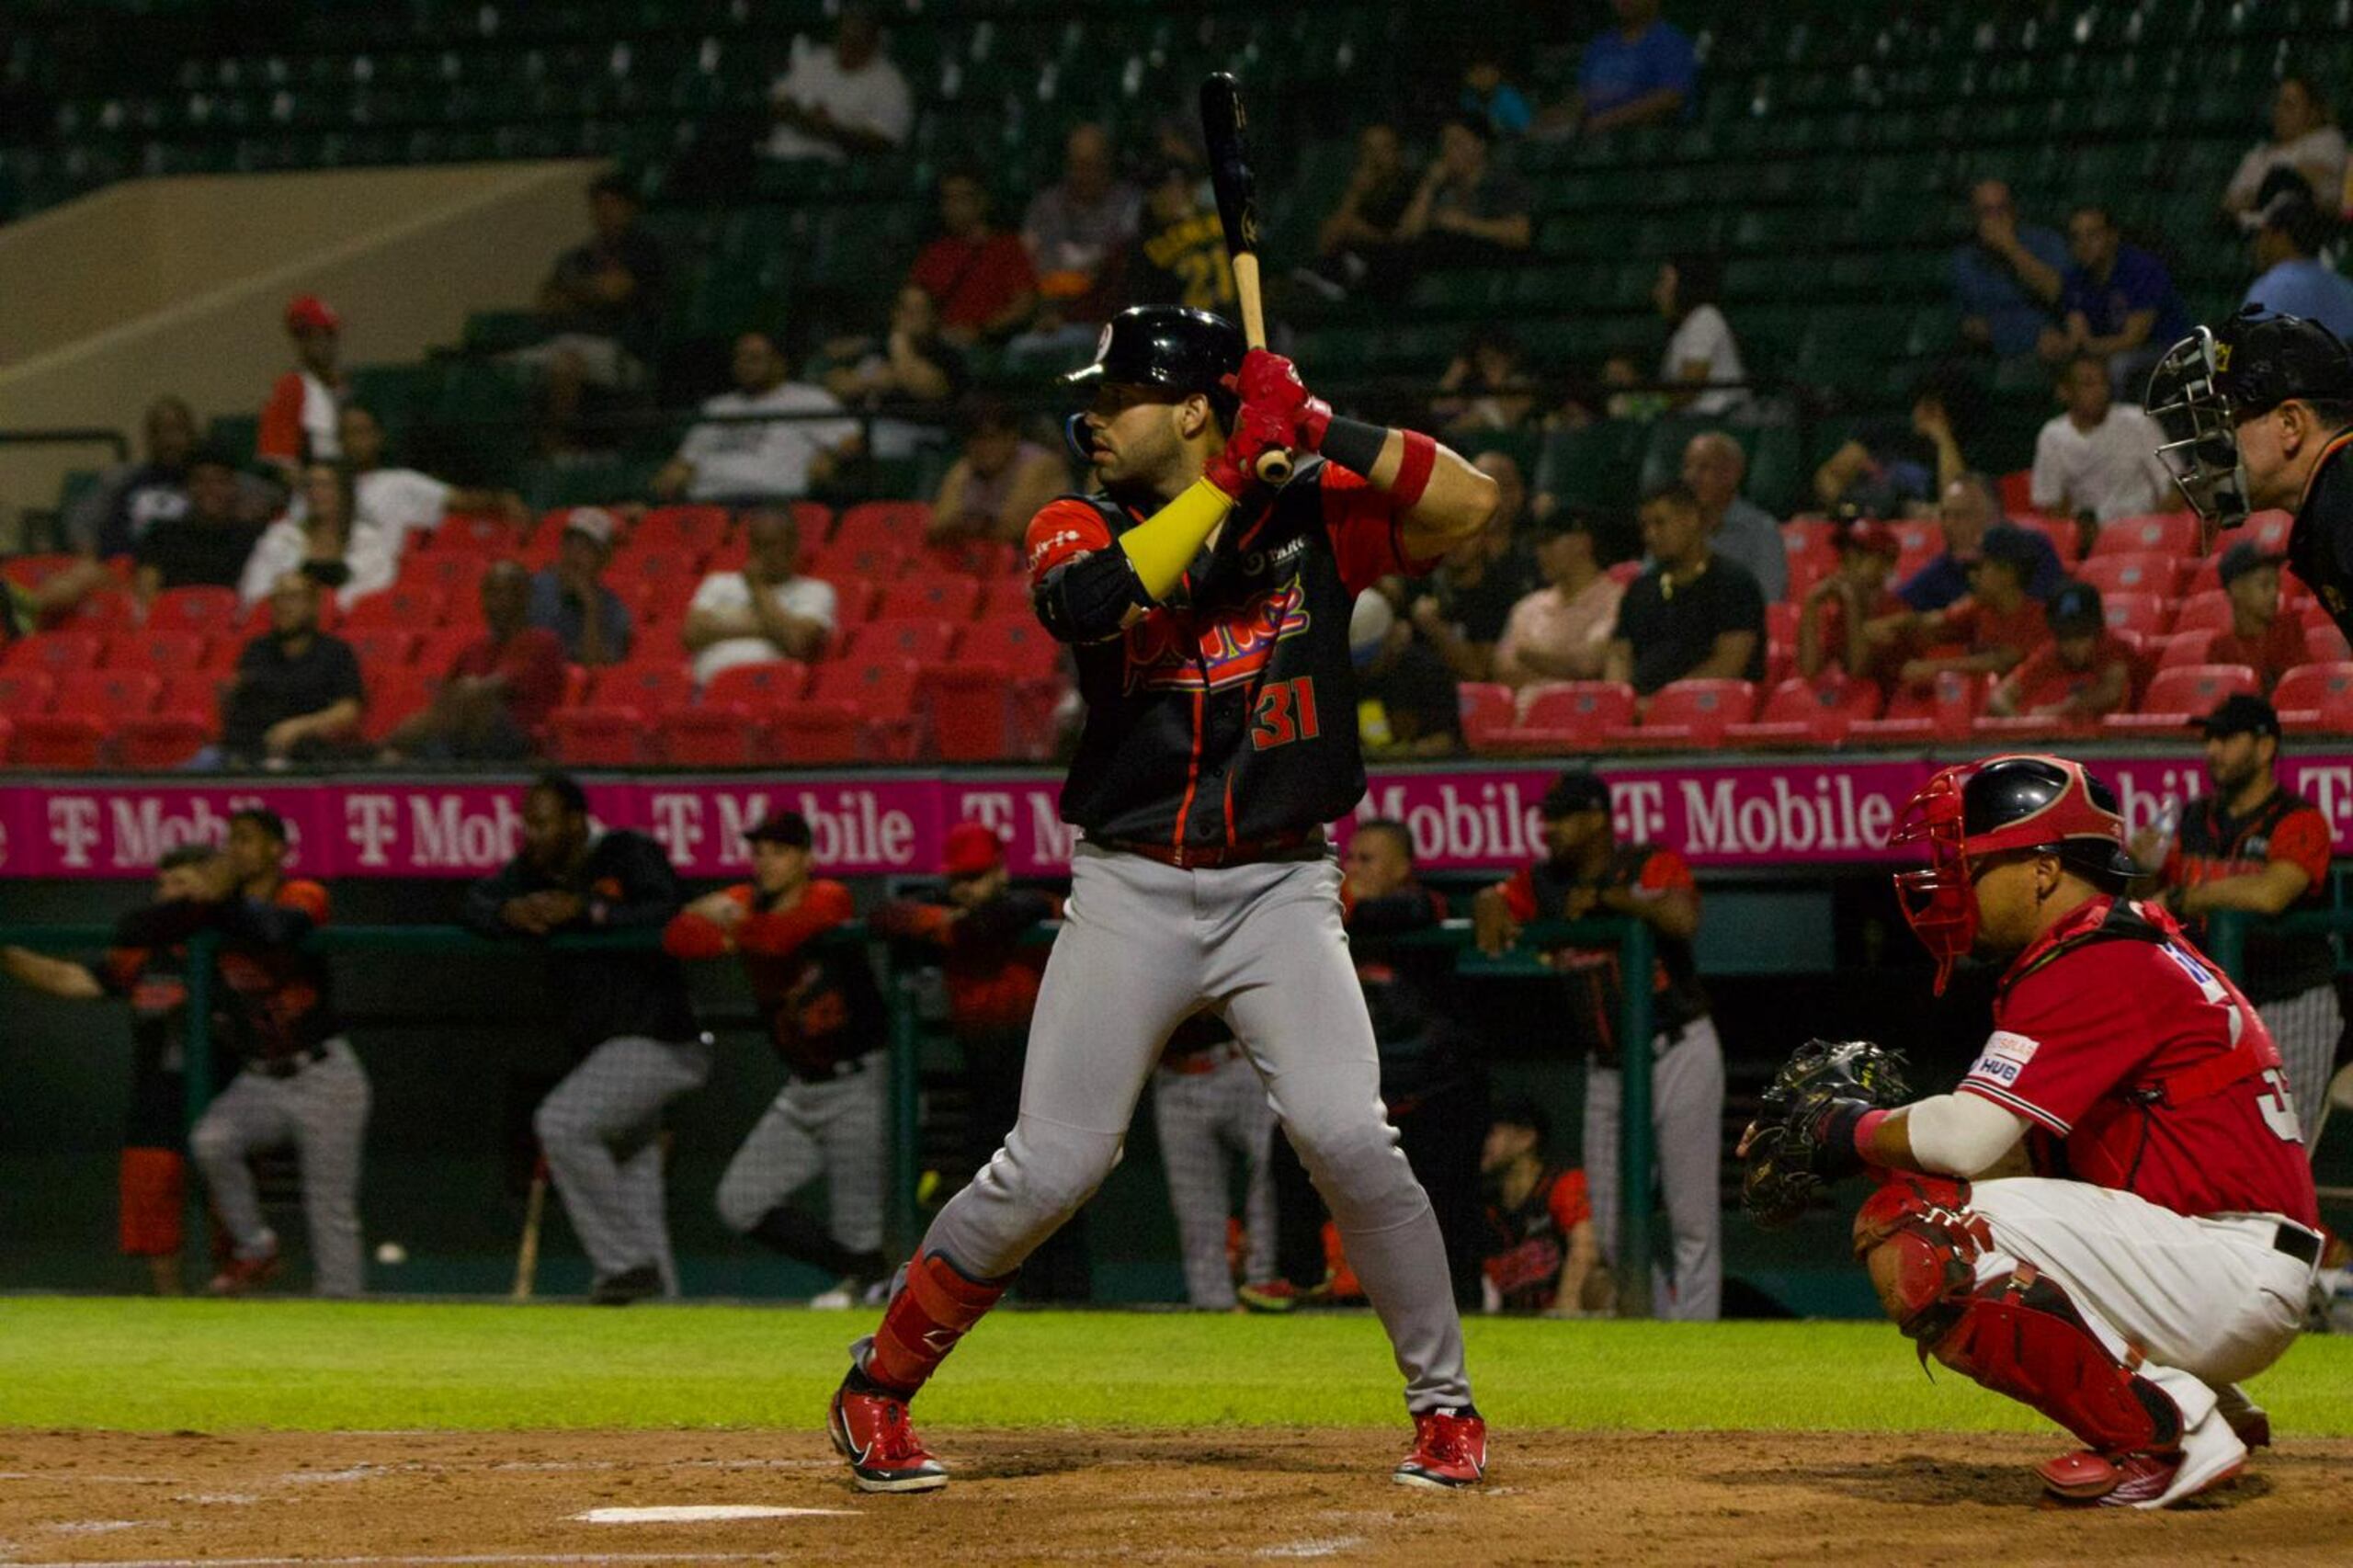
<point>1210,647</point>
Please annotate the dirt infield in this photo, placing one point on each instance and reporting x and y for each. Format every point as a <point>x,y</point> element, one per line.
<point>385,1498</point>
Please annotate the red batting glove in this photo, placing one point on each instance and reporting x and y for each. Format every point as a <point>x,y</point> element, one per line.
<point>1272,381</point>
<point>1256,431</point>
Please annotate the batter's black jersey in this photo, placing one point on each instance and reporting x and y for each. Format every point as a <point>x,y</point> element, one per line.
<point>1228,714</point>
<point>2320,548</point>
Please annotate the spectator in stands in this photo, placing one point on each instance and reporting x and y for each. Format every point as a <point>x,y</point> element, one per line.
<point>501,687</point>
<point>1482,580</point>
<point>1562,631</point>
<point>1853,617</point>
<point>1179,255</point>
<point>1970,514</point>
<point>1692,615</point>
<point>602,306</point>
<point>736,455</point>
<point>1486,389</point>
<point>1406,701</point>
<point>2083,672</point>
<point>1488,96</point>
<point>112,516</point>
<point>398,502</point>
<point>2294,280</point>
<point>980,276</point>
<point>2261,637</point>
<point>2117,301</point>
<point>570,598</point>
<point>1543,1254</point>
<point>1361,244</point>
<point>207,545</point>
<point>2007,277</point>
<point>1702,350</point>
<point>1642,72</point>
<point>297,695</point>
<point>765,611</point>
<point>298,423</point>
<point>1074,229</point>
<point>1627,393</point>
<point>1890,467</point>
<point>2305,141</point>
<point>323,541</point>
<point>1996,626</point>
<point>1714,465</point>
<point>907,378</point>
<point>1468,209</point>
<point>2099,456</point>
<point>1000,481</point>
<point>842,99</point>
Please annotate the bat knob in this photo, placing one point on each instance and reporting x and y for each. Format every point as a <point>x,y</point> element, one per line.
<point>1274,467</point>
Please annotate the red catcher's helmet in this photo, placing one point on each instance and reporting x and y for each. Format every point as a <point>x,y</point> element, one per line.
<point>1986,807</point>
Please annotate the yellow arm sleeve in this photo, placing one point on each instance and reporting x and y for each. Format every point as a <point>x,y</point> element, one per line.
<point>1163,544</point>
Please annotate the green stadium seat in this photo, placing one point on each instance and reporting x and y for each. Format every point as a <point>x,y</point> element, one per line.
<point>1598,466</point>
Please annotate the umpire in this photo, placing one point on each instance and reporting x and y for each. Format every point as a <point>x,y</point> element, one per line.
<point>626,1013</point>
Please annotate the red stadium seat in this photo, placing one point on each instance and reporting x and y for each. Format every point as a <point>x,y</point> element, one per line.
<point>2134,612</point>
<point>759,687</point>
<point>108,610</point>
<point>2018,491</point>
<point>1690,712</point>
<point>2181,694</point>
<point>160,741</point>
<point>928,641</point>
<point>1781,624</point>
<point>2161,533</point>
<point>650,687</point>
<point>880,687</point>
<point>592,736</point>
<point>2311,612</point>
<point>1583,709</point>
<point>930,598</point>
<point>26,692</point>
<point>457,573</point>
<point>1006,598</point>
<point>108,694</point>
<point>64,741</point>
<point>2325,644</point>
<point>1015,644</point>
<point>2185,648</point>
<point>257,621</point>
<point>695,529</point>
<point>405,606</point>
<point>811,733</point>
<point>162,652</point>
<point>1943,711</point>
<point>2130,575</point>
<point>2065,538</point>
<point>1810,713</point>
<point>2018,729</point>
<point>668,563</point>
<point>478,533</point>
<point>438,649</point>
<point>205,610</point>
<point>899,524</point>
<point>191,691</point>
<point>2209,611</point>
<point>1915,537</point>
<point>2314,696</point>
<point>1488,708</point>
<point>969,712</point>
<point>713,736</point>
<point>970,558</point>
<point>56,653</point>
<point>874,557</point>
<point>393,695</point>
<point>32,571</point>
<point>374,645</point>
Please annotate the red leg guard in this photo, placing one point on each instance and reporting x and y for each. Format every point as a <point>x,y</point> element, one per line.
<point>924,1322</point>
<point>154,1185</point>
<point>2023,1337</point>
<point>1922,1244</point>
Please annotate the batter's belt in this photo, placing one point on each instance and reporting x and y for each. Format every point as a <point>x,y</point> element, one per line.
<point>1306,845</point>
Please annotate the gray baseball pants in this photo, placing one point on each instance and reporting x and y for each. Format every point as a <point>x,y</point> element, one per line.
<point>2305,1028</point>
<point>1145,946</point>
<point>1686,1118</point>
<point>601,1129</point>
<point>1206,1121</point>
<point>834,1129</point>
<point>322,1110</point>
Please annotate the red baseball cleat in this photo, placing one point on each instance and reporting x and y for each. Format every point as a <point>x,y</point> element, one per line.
<point>1449,1449</point>
<point>1282,1296</point>
<point>240,1275</point>
<point>871,1430</point>
<point>2210,1454</point>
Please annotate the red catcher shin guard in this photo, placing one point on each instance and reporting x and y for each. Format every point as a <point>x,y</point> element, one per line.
<point>2023,1337</point>
<point>924,1322</point>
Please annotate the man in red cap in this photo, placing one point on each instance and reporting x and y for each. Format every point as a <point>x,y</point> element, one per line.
<point>1853,617</point>
<point>978,925</point>
<point>298,422</point>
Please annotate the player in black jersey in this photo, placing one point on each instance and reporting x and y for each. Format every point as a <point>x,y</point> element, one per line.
<point>2258,414</point>
<point>1209,616</point>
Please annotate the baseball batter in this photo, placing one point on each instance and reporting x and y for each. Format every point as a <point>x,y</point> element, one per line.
<point>1209,618</point>
<point>2163,1248</point>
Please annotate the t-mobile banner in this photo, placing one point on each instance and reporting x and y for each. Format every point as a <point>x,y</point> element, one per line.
<point>1755,813</point>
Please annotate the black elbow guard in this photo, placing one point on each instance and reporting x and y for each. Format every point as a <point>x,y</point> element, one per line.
<point>1087,600</point>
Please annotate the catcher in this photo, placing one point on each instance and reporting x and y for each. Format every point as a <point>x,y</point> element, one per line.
<point>2164,1247</point>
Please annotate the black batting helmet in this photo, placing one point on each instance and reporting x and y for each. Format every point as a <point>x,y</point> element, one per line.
<point>1171,347</point>
<point>2212,378</point>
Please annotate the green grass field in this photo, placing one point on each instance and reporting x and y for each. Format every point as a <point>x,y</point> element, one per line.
<point>143,1365</point>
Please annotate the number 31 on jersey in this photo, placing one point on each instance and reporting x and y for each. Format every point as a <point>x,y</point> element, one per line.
<point>1286,713</point>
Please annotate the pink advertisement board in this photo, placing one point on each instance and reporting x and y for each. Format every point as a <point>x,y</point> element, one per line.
<point>1750,812</point>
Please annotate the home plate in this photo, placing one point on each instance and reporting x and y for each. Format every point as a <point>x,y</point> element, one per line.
<point>705,1514</point>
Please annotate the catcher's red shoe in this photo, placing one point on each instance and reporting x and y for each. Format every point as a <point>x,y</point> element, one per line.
<point>239,1275</point>
<point>1449,1449</point>
<point>2210,1454</point>
<point>871,1430</point>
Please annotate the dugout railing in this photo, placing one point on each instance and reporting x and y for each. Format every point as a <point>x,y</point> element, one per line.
<point>1633,939</point>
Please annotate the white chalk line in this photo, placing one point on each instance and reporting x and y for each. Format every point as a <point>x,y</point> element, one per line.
<point>705,1514</point>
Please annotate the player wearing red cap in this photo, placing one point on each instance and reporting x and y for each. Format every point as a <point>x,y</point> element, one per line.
<point>300,422</point>
<point>2163,1249</point>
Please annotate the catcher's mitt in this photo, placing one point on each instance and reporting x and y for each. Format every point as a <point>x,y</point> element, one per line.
<point>1786,1161</point>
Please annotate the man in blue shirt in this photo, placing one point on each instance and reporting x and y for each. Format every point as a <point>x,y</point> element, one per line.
<point>570,597</point>
<point>2008,277</point>
<point>1639,73</point>
<point>2295,281</point>
<point>1969,515</point>
<point>2117,301</point>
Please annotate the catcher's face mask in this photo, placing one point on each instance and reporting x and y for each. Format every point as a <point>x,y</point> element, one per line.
<point>2201,446</point>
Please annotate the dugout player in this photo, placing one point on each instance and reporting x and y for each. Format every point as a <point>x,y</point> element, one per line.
<point>1542,1252</point>
<point>1209,1110</point>
<point>977,927</point>
<point>153,1174</point>
<point>627,1017</point>
<point>1586,870</point>
<point>2253,846</point>
<point>824,1018</point>
<point>1209,618</point>
<point>2258,414</point>
<point>2164,1247</point>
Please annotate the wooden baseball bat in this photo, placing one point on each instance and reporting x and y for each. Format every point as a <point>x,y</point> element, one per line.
<point>1223,128</point>
<point>526,1255</point>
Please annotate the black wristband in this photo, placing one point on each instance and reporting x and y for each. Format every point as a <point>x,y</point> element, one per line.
<point>1834,1131</point>
<point>1353,444</point>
